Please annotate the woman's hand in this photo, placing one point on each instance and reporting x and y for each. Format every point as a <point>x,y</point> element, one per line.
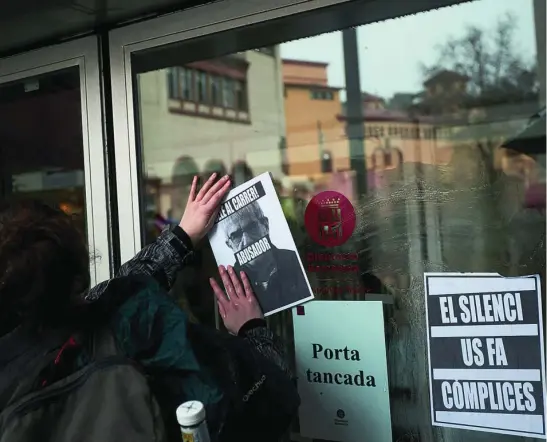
<point>202,209</point>
<point>241,305</point>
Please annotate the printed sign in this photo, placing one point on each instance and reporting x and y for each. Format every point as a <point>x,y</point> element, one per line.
<point>486,353</point>
<point>252,235</point>
<point>342,371</point>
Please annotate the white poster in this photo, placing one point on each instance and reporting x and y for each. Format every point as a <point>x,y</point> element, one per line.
<point>252,234</point>
<point>342,371</point>
<point>486,353</point>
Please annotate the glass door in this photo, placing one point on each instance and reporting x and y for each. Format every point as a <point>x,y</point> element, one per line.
<point>51,141</point>
<point>174,120</point>
<point>438,143</point>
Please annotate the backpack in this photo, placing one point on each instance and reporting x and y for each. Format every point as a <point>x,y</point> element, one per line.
<point>260,400</point>
<point>107,400</point>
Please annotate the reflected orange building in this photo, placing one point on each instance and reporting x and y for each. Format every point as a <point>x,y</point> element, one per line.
<point>315,135</point>
<point>317,143</point>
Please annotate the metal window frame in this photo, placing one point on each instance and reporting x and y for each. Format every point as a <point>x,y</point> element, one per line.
<point>177,27</point>
<point>83,54</point>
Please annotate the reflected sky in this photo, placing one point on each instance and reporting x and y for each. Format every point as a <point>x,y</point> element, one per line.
<point>390,48</point>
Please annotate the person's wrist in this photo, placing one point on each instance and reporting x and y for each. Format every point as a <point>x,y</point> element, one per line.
<point>194,238</point>
<point>251,324</point>
<point>179,232</point>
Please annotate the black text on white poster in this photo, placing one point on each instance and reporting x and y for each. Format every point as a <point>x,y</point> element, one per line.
<point>486,353</point>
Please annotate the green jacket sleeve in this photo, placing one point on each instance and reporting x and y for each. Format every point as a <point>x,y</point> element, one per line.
<point>152,330</point>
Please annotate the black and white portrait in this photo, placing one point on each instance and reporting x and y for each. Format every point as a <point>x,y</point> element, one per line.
<point>252,235</point>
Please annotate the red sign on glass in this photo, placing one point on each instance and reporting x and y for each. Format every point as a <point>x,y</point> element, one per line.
<point>330,218</point>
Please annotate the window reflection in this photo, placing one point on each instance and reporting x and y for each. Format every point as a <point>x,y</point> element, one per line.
<point>453,177</point>
<point>215,89</point>
<point>42,156</point>
<point>213,166</point>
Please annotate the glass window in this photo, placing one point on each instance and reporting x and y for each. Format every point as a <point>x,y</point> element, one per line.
<point>467,202</point>
<point>173,82</point>
<point>321,95</point>
<point>202,89</point>
<point>42,155</point>
<point>216,90</point>
<point>228,93</point>
<point>187,87</point>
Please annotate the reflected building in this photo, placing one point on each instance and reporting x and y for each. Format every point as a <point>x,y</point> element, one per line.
<point>217,112</point>
<point>427,127</point>
<point>314,134</point>
<point>317,143</point>
<point>441,136</point>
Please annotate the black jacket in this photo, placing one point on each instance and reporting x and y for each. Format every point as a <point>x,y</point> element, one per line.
<point>162,260</point>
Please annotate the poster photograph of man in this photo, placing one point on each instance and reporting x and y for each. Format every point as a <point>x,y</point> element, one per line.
<point>252,235</point>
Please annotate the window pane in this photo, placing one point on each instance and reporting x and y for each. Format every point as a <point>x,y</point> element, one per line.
<point>173,82</point>
<point>241,95</point>
<point>187,85</point>
<point>228,92</point>
<point>202,87</point>
<point>216,90</point>
<point>41,151</point>
<point>419,147</point>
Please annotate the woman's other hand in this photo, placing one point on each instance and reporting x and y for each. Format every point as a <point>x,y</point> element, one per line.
<point>240,306</point>
<point>202,208</point>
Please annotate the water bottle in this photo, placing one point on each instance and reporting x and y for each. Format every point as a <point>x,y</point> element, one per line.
<point>191,418</point>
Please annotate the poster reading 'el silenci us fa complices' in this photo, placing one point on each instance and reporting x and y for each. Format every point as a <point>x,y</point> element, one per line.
<point>486,353</point>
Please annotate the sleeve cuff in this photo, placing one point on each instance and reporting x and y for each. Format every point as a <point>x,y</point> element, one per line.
<point>249,325</point>
<point>183,236</point>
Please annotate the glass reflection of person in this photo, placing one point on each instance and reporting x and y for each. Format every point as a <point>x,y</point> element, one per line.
<point>191,285</point>
<point>525,154</point>
<point>184,171</point>
<point>277,275</point>
<point>214,166</point>
<point>241,172</point>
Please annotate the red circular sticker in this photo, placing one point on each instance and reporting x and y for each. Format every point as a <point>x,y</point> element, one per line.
<point>330,218</point>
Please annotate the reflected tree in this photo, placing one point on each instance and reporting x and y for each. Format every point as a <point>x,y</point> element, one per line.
<point>500,85</point>
<point>484,91</point>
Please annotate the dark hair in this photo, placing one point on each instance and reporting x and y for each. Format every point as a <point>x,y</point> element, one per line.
<point>44,266</point>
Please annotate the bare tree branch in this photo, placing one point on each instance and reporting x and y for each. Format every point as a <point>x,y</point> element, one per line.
<point>488,58</point>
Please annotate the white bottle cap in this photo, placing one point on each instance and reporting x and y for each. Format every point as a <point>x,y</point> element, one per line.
<point>190,413</point>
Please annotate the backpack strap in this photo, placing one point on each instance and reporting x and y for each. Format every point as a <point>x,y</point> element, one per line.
<point>24,385</point>
<point>101,341</point>
<point>45,354</point>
